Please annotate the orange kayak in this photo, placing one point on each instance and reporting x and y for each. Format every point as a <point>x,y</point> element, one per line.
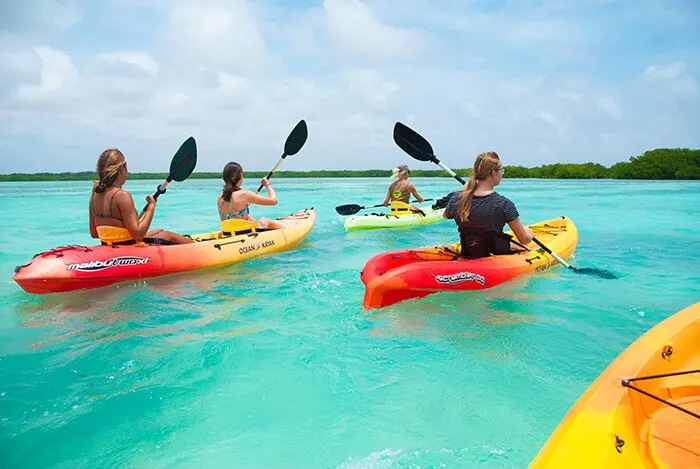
<point>643,411</point>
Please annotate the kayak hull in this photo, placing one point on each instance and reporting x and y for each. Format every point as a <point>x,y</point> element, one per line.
<point>70,268</point>
<point>374,221</point>
<point>400,275</point>
<point>612,425</point>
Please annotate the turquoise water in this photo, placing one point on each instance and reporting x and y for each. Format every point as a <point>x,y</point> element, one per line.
<point>273,363</point>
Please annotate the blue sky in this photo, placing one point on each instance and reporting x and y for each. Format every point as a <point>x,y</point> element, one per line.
<point>537,81</point>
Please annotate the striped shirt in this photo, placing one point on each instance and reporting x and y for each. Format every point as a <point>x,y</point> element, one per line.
<point>488,213</point>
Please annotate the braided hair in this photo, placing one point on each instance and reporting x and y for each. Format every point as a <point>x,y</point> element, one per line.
<point>232,174</point>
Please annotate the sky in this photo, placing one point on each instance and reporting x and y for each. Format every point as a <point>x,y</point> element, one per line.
<point>539,82</point>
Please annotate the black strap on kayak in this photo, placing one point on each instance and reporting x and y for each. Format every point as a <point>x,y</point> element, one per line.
<point>254,234</point>
<point>628,384</point>
<point>619,442</point>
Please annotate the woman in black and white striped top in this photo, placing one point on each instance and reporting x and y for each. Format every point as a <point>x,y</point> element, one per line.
<point>481,213</point>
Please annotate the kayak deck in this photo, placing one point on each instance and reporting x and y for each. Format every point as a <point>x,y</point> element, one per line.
<point>643,411</point>
<point>385,220</point>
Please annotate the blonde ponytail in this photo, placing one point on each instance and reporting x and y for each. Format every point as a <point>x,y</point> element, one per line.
<point>400,171</point>
<point>484,164</point>
<point>108,165</point>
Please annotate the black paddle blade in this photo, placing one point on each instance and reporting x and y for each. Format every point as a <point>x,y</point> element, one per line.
<point>296,139</point>
<point>600,273</point>
<point>184,161</point>
<point>413,143</point>
<point>349,209</point>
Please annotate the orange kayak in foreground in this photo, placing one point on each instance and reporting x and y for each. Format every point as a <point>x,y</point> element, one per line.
<point>401,275</point>
<point>643,411</point>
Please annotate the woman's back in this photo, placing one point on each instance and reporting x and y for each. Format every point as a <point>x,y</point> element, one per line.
<point>105,209</point>
<point>488,212</point>
<point>233,208</point>
<point>400,190</point>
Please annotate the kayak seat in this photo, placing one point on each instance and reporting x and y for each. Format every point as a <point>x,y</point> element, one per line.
<point>116,235</point>
<point>399,208</point>
<point>238,226</point>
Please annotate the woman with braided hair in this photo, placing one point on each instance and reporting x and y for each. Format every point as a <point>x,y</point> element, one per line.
<point>481,213</point>
<point>234,202</point>
<point>113,216</point>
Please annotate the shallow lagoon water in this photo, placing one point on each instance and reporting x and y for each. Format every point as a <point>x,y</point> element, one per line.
<point>273,363</point>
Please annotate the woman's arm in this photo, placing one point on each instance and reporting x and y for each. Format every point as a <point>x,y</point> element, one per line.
<point>255,198</point>
<point>137,227</point>
<point>415,193</point>
<point>93,227</point>
<point>388,197</point>
<point>524,235</point>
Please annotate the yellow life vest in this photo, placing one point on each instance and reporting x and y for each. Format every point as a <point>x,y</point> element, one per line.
<point>114,234</point>
<point>399,208</point>
<point>238,226</point>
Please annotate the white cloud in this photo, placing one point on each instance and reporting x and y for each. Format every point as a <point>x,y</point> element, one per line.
<point>353,27</point>
<point>673,79</point>
<point>673,70</point>
<point>39,15</point>
<point>233,83</point>
<point>237,77</point>
<point>63,14</point>
<point>140,60</point>
<point>57,75</point>
<point>608,104</point>
<point>215,34</point>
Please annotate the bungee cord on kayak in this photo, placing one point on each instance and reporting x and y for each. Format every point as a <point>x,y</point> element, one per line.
<point>628,384</point>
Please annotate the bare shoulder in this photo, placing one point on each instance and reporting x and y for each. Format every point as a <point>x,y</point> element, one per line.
<point>123,198</point>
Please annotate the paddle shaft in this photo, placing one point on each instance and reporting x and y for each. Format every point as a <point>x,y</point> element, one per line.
<point>352,209</point>
<point>269,175</point>
<point>551,253</point>
<point>451,173</point>
<point>160,190</point>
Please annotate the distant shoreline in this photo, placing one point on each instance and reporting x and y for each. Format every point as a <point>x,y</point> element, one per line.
<point>659,164</point>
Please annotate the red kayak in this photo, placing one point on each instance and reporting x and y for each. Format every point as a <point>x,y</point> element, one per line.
<point>400,275</point>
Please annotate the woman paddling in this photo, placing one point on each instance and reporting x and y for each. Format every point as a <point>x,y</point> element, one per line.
<point>401,190</point>
<point>233,202</point>
<point>113,216</point>
<point>481,213</point>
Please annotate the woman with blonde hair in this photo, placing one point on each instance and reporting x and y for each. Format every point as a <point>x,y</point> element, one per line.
<point>481,213</point>
<point>401,190</point>
<point>113,216</point>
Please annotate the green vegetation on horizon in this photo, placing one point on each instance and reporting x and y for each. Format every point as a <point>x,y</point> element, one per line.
<point>662,163</point>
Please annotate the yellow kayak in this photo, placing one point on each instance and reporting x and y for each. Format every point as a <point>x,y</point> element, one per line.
<point>643,411</point>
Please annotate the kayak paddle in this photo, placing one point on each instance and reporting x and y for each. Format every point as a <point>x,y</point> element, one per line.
<point>295,140</point>
<point>416,146</point>
<point>351,209</point>
<point>181,166</point>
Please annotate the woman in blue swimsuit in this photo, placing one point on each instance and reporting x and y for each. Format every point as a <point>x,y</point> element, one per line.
<point>233,201</point>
